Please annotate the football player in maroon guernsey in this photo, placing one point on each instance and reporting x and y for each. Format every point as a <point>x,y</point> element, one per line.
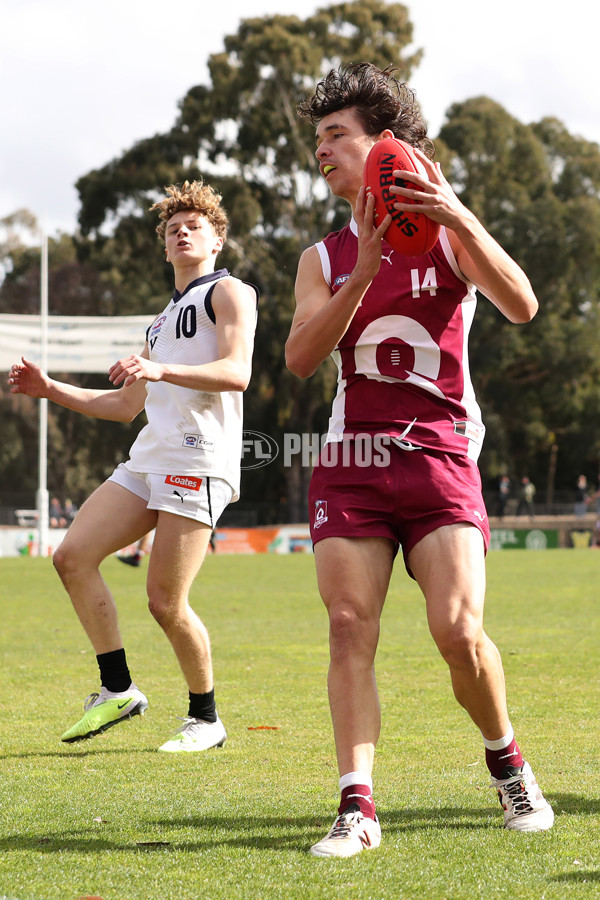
<point>397,327</point>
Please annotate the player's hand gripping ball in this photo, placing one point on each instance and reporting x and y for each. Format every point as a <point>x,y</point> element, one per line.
<point>410,233</point>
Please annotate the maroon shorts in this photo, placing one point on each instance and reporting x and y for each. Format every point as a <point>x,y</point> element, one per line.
<point>417,492</point>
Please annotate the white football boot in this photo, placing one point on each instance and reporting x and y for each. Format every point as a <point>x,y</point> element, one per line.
<point>525,808</point>
<point>351,832</point>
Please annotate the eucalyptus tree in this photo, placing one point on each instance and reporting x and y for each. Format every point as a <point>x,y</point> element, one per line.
<point>537,188</point>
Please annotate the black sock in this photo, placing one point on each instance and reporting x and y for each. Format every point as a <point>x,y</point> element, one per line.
<point>202,706</point>
<point>114,673</point>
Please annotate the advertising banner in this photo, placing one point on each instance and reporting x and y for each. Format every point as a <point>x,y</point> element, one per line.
<point>524,538</point>
<point>75,343</point>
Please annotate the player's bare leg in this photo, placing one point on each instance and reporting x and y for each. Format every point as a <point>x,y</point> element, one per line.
<point>178,551</point>
<point>110,518</point>
<point>353,576</point>
<point>450,569</point>
<point>449,566</point>
<point>179,548</point>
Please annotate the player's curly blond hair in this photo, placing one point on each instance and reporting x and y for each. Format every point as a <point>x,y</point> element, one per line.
<point>192,195</point>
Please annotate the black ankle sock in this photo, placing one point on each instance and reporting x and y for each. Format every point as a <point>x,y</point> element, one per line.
<point>114,672</point>
<point>202,706</point>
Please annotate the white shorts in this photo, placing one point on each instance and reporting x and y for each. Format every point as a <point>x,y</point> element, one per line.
<point>198,497</point>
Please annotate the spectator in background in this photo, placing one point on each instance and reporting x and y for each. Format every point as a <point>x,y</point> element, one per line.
<point>69,511</point>
<point>503,495</point>
<point>526,495</point>
<point>582,497</point>
<point>56,515</point>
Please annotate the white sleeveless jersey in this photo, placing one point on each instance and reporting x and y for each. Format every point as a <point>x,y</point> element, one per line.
<point>190,432</point>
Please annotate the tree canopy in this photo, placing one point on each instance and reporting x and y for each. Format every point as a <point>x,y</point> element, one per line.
<point>536,188</point>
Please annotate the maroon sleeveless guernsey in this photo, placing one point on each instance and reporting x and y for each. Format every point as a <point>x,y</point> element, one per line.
<point>403,367</point>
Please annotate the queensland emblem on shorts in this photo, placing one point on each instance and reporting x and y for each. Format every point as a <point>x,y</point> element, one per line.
<point>320,513</point>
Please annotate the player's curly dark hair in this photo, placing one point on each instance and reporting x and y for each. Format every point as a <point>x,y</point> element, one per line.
<point>192,195</point>
<point>379,98</point>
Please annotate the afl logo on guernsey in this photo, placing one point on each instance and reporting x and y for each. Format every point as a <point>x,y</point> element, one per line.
<point>196,440</point>
<point>341,279</point>
<point>184,481</point>
<point>158,325</point>
<point>155,331</point>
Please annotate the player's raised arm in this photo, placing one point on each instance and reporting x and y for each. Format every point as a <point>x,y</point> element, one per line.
<point>480,258</point>
<point>234,305</point>
<point>313,333</point>
<point>118,406</point>
<point>493,271</point>
<point>322,318</point>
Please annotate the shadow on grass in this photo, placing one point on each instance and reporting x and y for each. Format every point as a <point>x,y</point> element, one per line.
<point>289,832</point>
<point>299,833</point>
<point>266,832</point>
<point>283,832</point>
<point>574,804</point>
<point>576,877</point>
<point>77,754</point>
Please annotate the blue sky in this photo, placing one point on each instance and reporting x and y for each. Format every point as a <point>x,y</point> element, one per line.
<point>81,82</point>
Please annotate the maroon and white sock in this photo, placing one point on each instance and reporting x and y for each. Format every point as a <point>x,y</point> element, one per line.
<point>357,788</point>
<point>501,753</point>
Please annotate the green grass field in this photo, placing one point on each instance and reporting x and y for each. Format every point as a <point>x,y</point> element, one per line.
<point>112,818</point>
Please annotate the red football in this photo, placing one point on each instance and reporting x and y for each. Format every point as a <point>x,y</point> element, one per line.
<point>410,233</point>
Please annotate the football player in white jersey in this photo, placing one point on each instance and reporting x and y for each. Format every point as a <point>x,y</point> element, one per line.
<point>427,498</point>
<point>183,468</point>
